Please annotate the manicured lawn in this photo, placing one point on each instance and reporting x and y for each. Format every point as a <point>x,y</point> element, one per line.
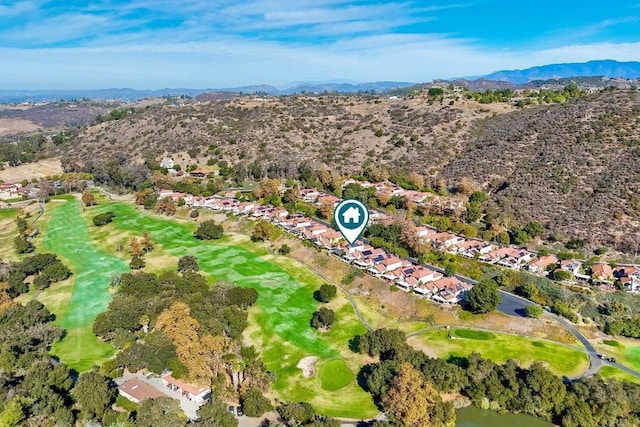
<point>335,374</point>
<point>473,335</point>
<point>279,324</point>
<point>625,350</point>
<point>66,235</point>
<point>498,347</point>
<point>620,375</point>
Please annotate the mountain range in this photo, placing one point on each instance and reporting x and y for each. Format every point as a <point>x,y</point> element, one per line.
<point>499,79</point>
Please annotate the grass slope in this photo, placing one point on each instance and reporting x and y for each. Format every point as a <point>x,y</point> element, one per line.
<point>67,236</point>
<point>625,350</point>
<point>279,325</point>
<point>560,359</point>
<point>8,232</point>
<point>618,374</point>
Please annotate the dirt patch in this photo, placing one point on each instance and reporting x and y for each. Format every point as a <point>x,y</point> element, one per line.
<point>39,169</point>
<point>16,126</point>
<point>308,366</point>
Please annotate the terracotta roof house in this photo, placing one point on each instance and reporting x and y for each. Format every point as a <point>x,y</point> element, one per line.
<point>199,173</point>
<point>539,266</point>
<point>601,272</point>
<point>138,391</point>
<point>192,392</point>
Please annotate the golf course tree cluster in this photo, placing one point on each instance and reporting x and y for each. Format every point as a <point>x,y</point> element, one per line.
<point>21,242</point>
<point>302,413</point>
<point>37,390</point>
<point>324,318</point>
<point>208,230</point>
<point>403,373</point>
<point>178,321</point>
<point>46,267</point>
<point>139,247</point>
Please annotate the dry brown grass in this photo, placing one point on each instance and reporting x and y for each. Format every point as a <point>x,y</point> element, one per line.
<point>39,169</point>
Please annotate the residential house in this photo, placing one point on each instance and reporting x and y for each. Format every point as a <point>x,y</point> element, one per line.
<point>11,191</point>
<point>540,265</point>
<point>138,391</point>
<point>167,162</point>
<point>629,276</point>
<point>601,273</point>
<point>192,392</point>
<point>199,173</point>
<point>309,195</point>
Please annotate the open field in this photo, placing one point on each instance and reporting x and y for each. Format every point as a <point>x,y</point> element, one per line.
<point>8,231</point>
<point>39,169</point>
<point>66,235</point>
<point>620,375</point>
<point>560,359</point>
<point>279,324</point>
<point>625,350</point>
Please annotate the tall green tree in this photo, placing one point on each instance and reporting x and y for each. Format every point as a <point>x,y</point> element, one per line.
<point>484,297</point>
<point>161,412</point>
<point>94,393</point>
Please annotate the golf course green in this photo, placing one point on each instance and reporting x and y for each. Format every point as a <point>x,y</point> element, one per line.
<point>66,235</point>
<point>335,374</point>
<point>560,359</point>
<point>279,324</point>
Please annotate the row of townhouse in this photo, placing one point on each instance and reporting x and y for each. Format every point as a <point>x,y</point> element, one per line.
<point>403,273</point>
<point>384,265</point>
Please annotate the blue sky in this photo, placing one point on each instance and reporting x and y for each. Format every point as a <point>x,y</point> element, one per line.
<point>221,43</point>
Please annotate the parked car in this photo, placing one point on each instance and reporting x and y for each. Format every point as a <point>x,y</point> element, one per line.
<point>231,409</point>
<point>612,359</point>
<point>239,411</point>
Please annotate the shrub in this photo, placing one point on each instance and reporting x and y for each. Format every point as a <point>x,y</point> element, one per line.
<point>136,263</point>
<point>103,218</point>
<point>284,250</point>
<point>326,293</point>
<point>378,133</point>
<point>533,311</point>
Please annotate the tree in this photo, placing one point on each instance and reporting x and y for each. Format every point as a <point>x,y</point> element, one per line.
<point>473,212</point>
<point>145,243</point>
<point>88,198</point>
<point>135,247</point>
<point>188,263</point>
<point>214,414</point>
<point>94,393</point>
<point>284,250</point>
<point>254,404</point>
<point>136,263</point>
<point>208,230</point>
<point>534,228</point>
<point>323,318</point>
<point>146,198</point>
<point>533,311</point>
<point>242,297</point>
<point>103,219</point>
<point>301,412</point>
<point>160,412</point>
<point>502,238</point>
<point>411,400</point>
<point>22,245</point>
<point>262,231</point>
<point>380,341</point>
<point>166,206</point>
<point>326,293</point>
<point>484,297</point>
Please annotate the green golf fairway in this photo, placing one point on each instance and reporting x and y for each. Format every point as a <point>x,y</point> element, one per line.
<point>67,236</point>
<point>279,324</point>
<point>335,374</point>
<point>560,359</point>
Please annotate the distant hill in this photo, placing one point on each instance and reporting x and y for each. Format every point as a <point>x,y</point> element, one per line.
<point>127,94</point>
<point>606,68</point>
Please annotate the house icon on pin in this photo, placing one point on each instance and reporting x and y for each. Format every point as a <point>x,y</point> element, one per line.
<point>351,215</point>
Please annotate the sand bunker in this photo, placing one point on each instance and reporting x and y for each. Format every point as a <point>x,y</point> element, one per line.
<point>308,366</point>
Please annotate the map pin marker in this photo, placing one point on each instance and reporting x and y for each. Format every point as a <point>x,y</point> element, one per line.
<point>351,216</point>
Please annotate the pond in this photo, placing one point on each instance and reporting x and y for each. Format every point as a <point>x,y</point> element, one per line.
<point>473,416</point>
